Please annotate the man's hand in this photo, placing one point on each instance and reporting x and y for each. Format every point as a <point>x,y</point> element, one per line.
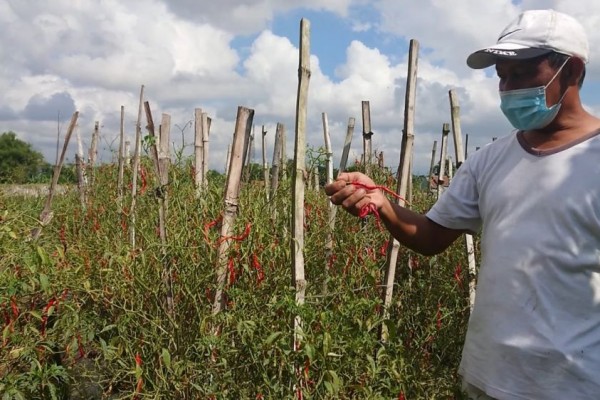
<point>354,197</point>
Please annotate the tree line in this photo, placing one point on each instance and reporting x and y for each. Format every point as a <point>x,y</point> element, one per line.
<point>20,163</point>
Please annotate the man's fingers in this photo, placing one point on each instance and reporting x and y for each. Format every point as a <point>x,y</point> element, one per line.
<point>335,187</point>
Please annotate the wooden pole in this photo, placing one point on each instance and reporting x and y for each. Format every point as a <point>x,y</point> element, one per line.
<point>198,151</point>
<point>276,159</point>
<point>367,133</point>
<point>241,136</point>
<point>431,166</point>
<point>46,214</point>
<point>403,178</point>
<point>283,167</point>
<point>332,208</point>
<point>248,157</point>
<point>121,161</point>
<point>135,170</point>
<point>161,176</point>
<point>298,177</point>
<point>93,151</point>
<point>164,150</point>
<point>79,165</point>
<point>128,153</point>
<point>460,158</point>
<point>205,135</point>
<point>81,173</point>
<point>347,144</point>
<point>328,152</point>
<point>443,153</point>
<point>228,162</point>
<point>264,162</point>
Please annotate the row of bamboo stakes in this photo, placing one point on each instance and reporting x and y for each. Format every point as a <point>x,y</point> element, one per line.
<point>238,154</point>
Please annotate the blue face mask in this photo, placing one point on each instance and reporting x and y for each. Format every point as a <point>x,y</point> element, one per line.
<point>526,109</point>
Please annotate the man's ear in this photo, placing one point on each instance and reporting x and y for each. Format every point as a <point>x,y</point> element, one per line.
<point>573,71</point>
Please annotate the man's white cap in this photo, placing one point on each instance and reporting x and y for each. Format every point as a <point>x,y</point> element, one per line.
<point>532,34</point>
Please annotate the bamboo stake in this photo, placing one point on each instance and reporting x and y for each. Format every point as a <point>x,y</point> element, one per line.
<point>332,207</point>
<point>79,166</point>
<point>93,151</point>
<point>283,166</point>
<point>431,166</point>
<point>346,150</point>
<point>367,133</point>
<point>128,154</point>
<point>162,230</point>
<point>298,177</point>
<point>135,170</point>
<point>228,161</point>
<point>241,136</point>
<point>198,151</point>
<point>329,179</point>
<point>403,178</point>
<point>328,152</point>
<point>443,152</point>
<point>121,161</point>
<point>282,156</point>
<point>248,157</point>
<point>164,152</point>
<point>276,159</point>
<point>46,214</point>
<point>264,163</point>
<point>164,164</point>
<point>81,173</point>
<point>205,134</point>
<point>460,158</point>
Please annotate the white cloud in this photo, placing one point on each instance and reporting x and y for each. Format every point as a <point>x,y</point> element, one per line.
<point>99,53</point>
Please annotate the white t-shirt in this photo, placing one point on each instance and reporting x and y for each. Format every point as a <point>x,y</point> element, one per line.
<point>535,328</point>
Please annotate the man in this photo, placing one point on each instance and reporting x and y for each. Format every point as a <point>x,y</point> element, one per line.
<point>535,194</point>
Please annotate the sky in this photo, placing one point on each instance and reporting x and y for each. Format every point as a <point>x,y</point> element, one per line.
<point>93,57</point>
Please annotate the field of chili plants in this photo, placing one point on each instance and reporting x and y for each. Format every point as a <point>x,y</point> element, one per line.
<point>83,314</point>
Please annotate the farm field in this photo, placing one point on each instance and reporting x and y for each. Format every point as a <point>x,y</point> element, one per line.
<point>83,315</point>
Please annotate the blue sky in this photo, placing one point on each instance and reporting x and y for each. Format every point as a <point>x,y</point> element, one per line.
<point>93,57</point>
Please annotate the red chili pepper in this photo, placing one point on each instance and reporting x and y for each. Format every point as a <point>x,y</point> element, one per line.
<point>231,268</point>
<point>50,303</point>
<point>457,275</point>
<point>261,275</point>
<point>209,225</point>
<point>331,261</point>
<point>383,248</point>
<point>13,306</point>
<point>80,347</point>
<point>371,208</point>
<point>243,236</point>
<point>144,180</point>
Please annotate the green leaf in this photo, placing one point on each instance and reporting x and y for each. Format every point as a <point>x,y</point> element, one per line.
<point>166,356</point>
<point>326,342</point>
<point>108,328</point>
<point>44,259</point>
<point>44,282</point>
<point>273,337</point>
<point>309,351</point>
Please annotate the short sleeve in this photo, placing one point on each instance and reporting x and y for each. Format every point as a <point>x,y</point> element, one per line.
<point>458,206</point>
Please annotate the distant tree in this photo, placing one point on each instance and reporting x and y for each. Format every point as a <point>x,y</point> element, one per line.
<point>19,162</point>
